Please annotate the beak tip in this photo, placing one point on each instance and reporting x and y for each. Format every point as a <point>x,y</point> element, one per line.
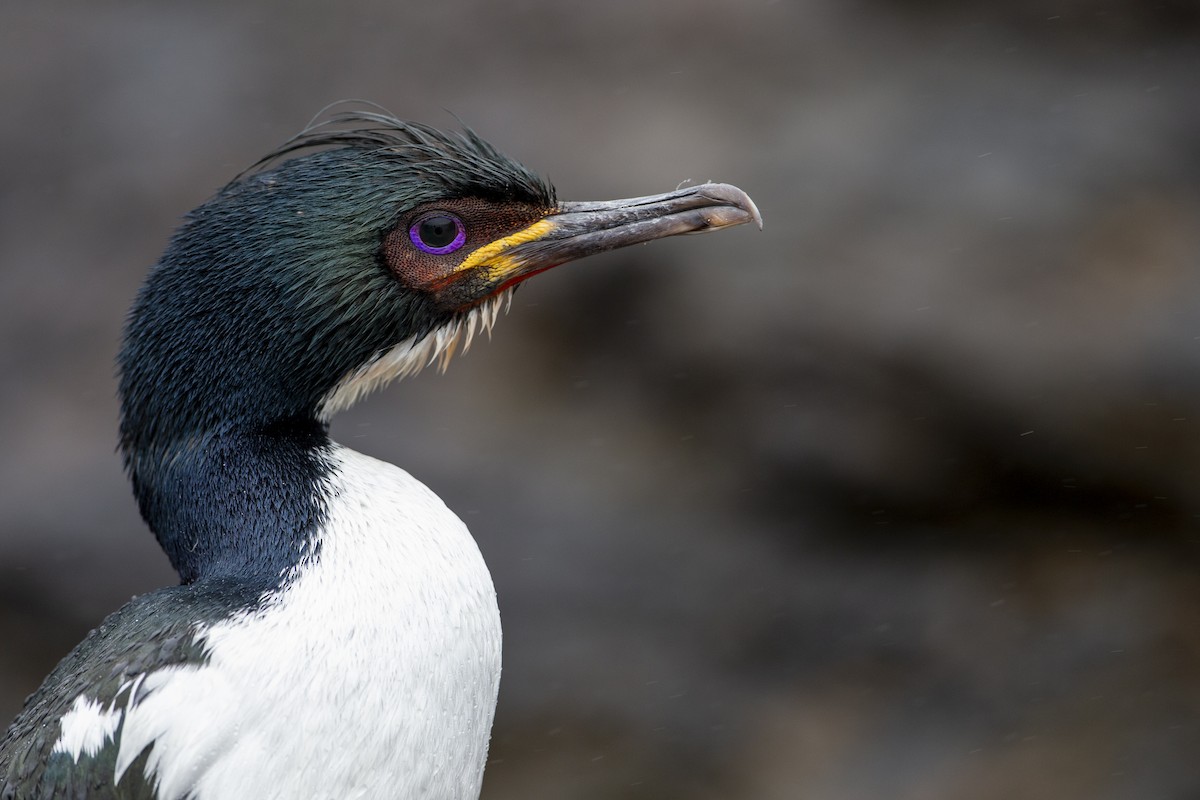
<point>732,197</point>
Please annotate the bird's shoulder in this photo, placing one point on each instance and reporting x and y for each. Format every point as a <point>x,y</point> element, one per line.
<point>47,752</point>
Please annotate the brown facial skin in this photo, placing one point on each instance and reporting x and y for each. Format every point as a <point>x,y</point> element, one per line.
<point>506,243</point>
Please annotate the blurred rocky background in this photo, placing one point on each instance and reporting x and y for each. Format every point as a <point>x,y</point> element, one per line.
<point>895,499</point>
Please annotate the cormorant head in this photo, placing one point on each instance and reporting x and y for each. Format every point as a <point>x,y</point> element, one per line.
<point>372,251</point>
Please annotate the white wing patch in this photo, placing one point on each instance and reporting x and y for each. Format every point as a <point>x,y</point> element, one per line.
<point>87,727</point>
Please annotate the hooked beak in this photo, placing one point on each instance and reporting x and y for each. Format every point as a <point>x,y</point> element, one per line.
<point>575,230</point>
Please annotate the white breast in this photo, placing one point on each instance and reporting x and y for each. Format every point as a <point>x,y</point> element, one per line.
<point>372,674</point>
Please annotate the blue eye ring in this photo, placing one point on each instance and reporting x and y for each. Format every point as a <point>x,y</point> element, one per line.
<point>437,233</point>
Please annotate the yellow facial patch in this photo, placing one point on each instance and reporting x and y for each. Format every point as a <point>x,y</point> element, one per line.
<point>493,257</point>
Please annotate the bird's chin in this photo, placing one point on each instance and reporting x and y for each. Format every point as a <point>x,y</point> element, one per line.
<point>467,292</point>
<point>410,356</point>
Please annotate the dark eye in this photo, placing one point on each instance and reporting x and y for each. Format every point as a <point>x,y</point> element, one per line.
<point>438,233</point>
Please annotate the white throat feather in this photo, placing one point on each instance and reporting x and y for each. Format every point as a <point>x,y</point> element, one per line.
<point>415,354</point>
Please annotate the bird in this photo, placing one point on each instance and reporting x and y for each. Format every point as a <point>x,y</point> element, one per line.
<point>335,632</point>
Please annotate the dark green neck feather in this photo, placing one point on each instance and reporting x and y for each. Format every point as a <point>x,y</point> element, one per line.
<point>267,296</point>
